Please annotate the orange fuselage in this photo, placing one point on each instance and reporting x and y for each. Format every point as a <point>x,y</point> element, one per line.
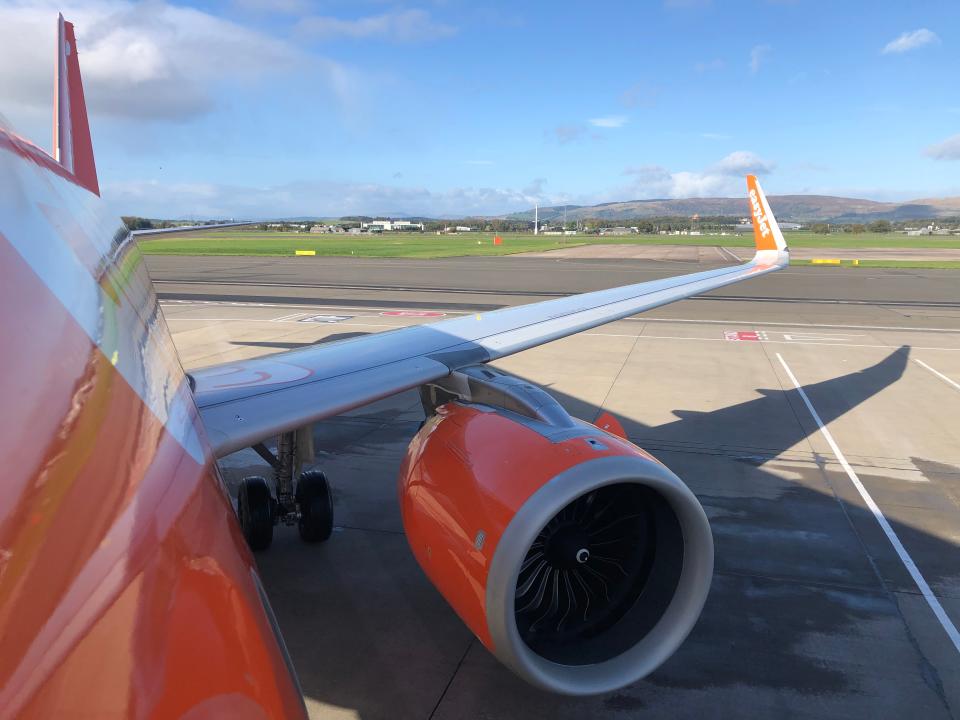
<point>126,588</point>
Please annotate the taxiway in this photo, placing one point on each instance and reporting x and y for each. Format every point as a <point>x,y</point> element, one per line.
<point>837,584</point>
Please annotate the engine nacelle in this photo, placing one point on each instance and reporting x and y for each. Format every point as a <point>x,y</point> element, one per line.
<point>579,560</point>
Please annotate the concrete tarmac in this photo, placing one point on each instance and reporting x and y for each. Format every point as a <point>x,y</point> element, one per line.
<point>815,609</point>
<point>709,253</point>
<point>829,295</point>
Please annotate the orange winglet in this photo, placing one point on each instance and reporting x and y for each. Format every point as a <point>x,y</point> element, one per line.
<point>764,231</point>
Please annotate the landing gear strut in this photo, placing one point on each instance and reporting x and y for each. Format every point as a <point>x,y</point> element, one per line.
<point>309,505</point>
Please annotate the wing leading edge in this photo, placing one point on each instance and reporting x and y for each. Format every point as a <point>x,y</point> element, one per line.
<point>245,402</point>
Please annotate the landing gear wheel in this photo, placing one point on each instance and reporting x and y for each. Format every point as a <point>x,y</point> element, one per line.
<point>255,510</point>
<point>316,506</point>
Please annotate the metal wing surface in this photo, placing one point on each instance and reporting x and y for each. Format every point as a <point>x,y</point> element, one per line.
<point>244,402</point>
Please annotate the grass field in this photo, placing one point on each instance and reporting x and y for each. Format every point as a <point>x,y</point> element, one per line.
<point>903,264</point>
<point>417,245</point>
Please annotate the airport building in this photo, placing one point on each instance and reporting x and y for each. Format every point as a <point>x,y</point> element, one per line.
<point>391,226</point>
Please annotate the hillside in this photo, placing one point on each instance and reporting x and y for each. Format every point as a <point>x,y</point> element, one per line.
<point>793,208</point>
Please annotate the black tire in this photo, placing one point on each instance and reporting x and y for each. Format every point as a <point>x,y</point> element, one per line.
<point>255,510</point>
<point>316,506</point>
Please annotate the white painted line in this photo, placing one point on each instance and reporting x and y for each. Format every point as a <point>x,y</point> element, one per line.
<point>762,341</point>
<point>297,322</point>
<point>809,337</point>
<point>908,562</point>
<point>180,318</point>
<point>290,317</point>
<point>330,286</point>
<point>891,328</point>
<point>728,254</point>
<point>938,374</point>
<point>312,306</point>
<point>585,334</point>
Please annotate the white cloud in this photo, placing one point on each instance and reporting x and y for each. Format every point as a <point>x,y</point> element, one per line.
<point>714,136</point>
<point>281,7</point>
<point>405,26</point>
<point>147,61</point>
<point>578,131</point>
<point>611,121</point>
<point>641,94</point>
<point>710,65</point>
<point>742,162</point>
<point>722,179</point>
<point>153,198</point>
<point>910,41</point>
<point>949,149</point>
<point>757,56</point>
<point>322,198</point>
<point>568,133</point>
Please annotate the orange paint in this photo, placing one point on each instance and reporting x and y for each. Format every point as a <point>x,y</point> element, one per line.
<point>469,471</point>
<point>126,588</point>
<point>762,230</point>
<point>608,423</point>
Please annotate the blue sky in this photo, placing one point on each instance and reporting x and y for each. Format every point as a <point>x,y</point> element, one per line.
<point>253,108</point>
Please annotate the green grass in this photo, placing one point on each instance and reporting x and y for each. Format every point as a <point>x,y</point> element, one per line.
<point>412,245</point>
<point>796,239</point>
<point>905,264</point>
<point>417,245</point>
<point>802,238</point>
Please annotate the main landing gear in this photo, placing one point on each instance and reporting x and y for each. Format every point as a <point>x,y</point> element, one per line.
<point>309,505</point>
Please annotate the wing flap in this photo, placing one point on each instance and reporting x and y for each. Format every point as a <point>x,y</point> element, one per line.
<point>245,402</point>
<point>232,425</point>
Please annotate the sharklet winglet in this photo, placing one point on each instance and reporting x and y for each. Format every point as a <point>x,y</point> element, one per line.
<point>771,247</point>
<point>72,147</point>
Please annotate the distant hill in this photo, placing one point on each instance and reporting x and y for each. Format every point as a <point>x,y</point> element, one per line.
<point>788,208</point>
<point>793,208</point>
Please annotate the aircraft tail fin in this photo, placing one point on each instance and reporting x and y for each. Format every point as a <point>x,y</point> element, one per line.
<point>72,147</point>
<point>771,247</point>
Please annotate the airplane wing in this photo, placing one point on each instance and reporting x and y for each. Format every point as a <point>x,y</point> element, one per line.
<point>147,232</point>
<point>243,403</point>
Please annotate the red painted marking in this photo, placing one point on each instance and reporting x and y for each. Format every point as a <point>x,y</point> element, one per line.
<point>412,313</point>
<point>27,150</point>
<point>609,423</point>
<point>740,335</point>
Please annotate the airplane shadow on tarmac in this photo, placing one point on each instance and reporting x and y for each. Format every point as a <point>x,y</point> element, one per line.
<point>806,614</point>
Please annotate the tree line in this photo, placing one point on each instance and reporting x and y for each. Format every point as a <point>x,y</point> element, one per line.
<point>646,226</point>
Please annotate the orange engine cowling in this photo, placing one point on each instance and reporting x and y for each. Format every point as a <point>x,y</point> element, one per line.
<point>578,559</point>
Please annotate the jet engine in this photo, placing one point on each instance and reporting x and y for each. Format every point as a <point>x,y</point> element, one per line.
<point>578,559</point>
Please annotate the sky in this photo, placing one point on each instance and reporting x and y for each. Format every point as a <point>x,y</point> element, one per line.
<point>279,108</point>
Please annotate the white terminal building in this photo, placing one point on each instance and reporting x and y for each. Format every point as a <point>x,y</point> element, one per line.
<point>391,225</point>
